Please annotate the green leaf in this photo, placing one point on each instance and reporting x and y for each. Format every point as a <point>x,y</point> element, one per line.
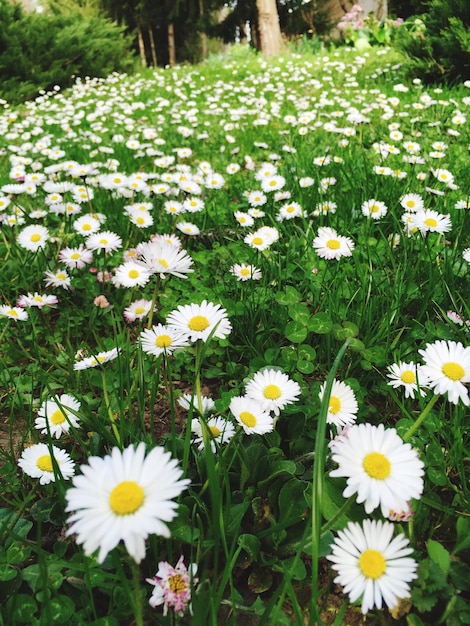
<point>306,352</point>
<point>251,545</point>
<point>7,572</point>
<point>305,367</point>
<point>292,504</point>
<point>21,608</point>
<point>17,552</point>
<point>320,323</point>
<point>463,535</point>
<point>289,296</point>
<point>439,555</point>
<point>376,355</point>
<point>61,609</point>
<point>298,572</point>
<point>299,312</point>
<point>295,332</point>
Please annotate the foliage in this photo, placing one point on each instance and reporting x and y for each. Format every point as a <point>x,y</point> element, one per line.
<point>39,51</point>
<point>439,43</point>
<point>262,510</point>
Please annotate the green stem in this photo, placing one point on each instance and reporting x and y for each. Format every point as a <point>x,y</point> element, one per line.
<point>318,477</point>
<point>108,407</point>
<point>154,302</point>
<point>421,418</point>
<point>138,609</point>
<point>339,513</point>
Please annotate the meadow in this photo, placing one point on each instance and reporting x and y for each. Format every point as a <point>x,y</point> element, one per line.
<point>234,324</point>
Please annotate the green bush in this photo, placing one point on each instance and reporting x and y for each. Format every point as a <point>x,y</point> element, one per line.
<point>438,42</point>
<point>38,51</point>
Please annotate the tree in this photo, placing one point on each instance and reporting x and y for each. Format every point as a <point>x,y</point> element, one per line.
<point>269,28</point>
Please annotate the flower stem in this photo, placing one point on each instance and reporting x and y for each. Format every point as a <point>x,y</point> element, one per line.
<point>138,609</point>
<point>108,408</point>
<point>421,418</point>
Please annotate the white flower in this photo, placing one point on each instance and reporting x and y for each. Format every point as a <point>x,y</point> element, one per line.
<point>382,469</point>
<point>56,416</point>
<point>374,209</point>
<point>251,415</point>
<point>407,375</point>
<point>106,240</point>
<point>412,202</point>
<point>186,401</point>
<point>172,586</point>
<point>245,272</point>
<point>373,565</point>
<point>13,312</point>
<point>273,390</point>
<point>342,405</point>
<point>131,274</point>
<point>201,321</point>
<point>429,220</point>
<point>329,245</point>
<point>124,496</point>
<point>36,461</point>
<point>99,359</point>
<point>33,237</point>
<point>162,339</point>
<point>220,431</point>
<point>162,257</point>
<point>447,366</point>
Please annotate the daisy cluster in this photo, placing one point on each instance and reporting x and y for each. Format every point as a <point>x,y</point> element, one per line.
<point>210,192</point>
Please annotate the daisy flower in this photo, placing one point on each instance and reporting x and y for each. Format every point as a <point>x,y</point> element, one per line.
<point>124,496</point>
<point>59,278</point>
<point>99,359</point>
<point>33,237</point>
<point>251,415</point>
<point>374,209</point>
<point>429,220</point>
<point>379,467</point>
<point>105,240</point>
<point>13,312</point>
<point>188,228</point>
<point>36,461</point>
<point>447,366</point>
<point>466,255</point>
<point>141,219</point>
<point>289,211</point>
<point>257,198</point>
<point>161,257</point>
<point>273,183</point>
<point>272,389</point>
<point>172,586</point>
<point>201,321</point>
<point>86,225</point>
<point>76,257</point>
<point>56,416</point>
<point>412,202</point>
<point>244,219</point>
<point>342,405</point>
<point>258,241</point>
<point>407,375</point>
<point>162,339</point>
<point>137,310</point>
<point>186,401</point>
<point>245,272</point>
<point>329,245</point>
<point>220,429</point>
<point>371,564</point>
<point>37,300</point>
<point>193,205</point>
<point>131,274</point>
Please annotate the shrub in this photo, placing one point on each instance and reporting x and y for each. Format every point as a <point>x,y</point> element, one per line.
<point>438,43</point>
<point>38,51</point>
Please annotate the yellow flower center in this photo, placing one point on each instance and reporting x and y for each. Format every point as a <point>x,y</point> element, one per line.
<point>12,313</point>
<point>410,204</point>
<point>333,244</point>
<point>290,209</point>
<point>86,227</point>
<point>103,241</point>
<point>372,563</point>
<point>163,263</point>
<point>140,220</point>
<point>75,256</point>
<point>376,465</point>
<point>126,498</point>
<point>257,241</point>
<point>248,419</point>
<point>452,370</point>
<point>163,341</point>
<point>214,430</point>
<point>35,237</point>
<point>38,299</point>
<point>61,276</point>
<point>245,271</point>
<point>198,323</point>
<point>374,208</point>
<point>272,392</point>
<point>133,274</point>
<point>57,417</point>
<point>139,310</point>
<point>408,377</point>
<point>45,463</point>
<point>334,405</point>
<point>177,583</point>
<point>431,222</point>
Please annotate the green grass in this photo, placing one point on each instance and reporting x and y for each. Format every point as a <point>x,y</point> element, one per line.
<point>262,511</point>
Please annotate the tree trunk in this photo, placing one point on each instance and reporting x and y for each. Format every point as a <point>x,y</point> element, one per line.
<point>152,48</point>
<point>140,39</point>
<point>203,34</point>
<point>171,45</point>
<point>269,29</point>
